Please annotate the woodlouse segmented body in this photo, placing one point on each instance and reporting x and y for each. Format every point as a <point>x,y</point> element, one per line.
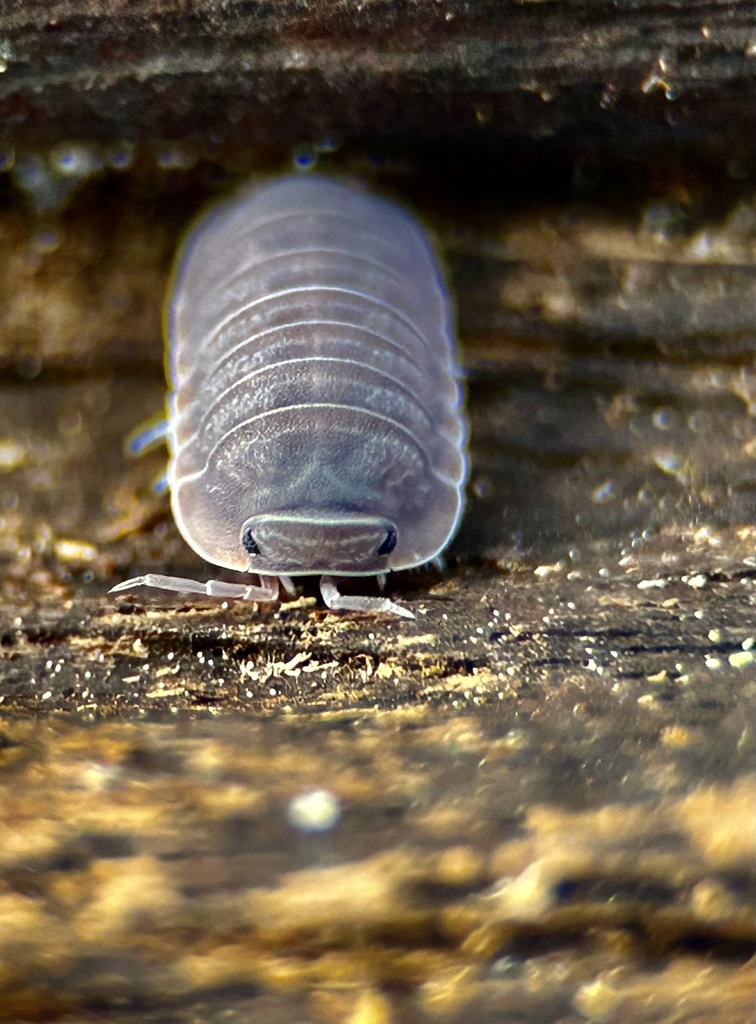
<point>314,419</point>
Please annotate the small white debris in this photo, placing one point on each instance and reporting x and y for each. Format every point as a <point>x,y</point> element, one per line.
<point>12,455</point>
<point>741,659</point>
<point>603,493</point>
<point>668,461</point>
<point>648,584</point>
<point>75,551</point>
<point>547,570</point>
<point>75,161</point>
<point>598,1000</point>
<point>317,810</point>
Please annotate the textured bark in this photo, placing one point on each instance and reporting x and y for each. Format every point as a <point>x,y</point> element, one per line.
<point>283,72</point>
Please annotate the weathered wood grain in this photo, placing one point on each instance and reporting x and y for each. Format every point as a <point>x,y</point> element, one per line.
<point>283,72</point>
<point>546,780</point>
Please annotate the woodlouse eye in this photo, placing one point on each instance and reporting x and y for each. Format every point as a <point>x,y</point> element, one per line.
<point>389,543</point>
<point>249,543</point>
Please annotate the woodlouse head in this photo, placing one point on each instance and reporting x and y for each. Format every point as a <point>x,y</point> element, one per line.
<point>315,541</point>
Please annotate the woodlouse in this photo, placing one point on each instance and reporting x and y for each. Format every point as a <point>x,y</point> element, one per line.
<point>314,417</point>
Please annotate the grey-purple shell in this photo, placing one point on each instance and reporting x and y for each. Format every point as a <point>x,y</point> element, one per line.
<point>314,419</point>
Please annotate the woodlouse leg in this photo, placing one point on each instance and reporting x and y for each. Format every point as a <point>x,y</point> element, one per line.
<point>146,437</point>
<point>266,591</point>
<point>160,484</point>
<point>346,603</point>
<point>288,584</point>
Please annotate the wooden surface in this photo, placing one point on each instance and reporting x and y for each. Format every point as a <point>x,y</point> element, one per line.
<point>545,781</point>
<point>544,784</point>
<point>482,869</point>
